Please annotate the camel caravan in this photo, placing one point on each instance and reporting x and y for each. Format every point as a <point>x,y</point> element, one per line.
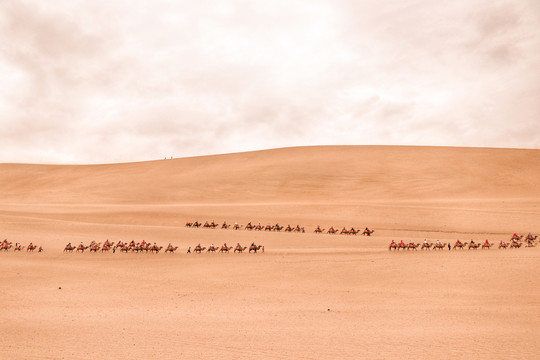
<point>146,247</point>
<point>18,247</point>
<point>515,242</point>
<point>120,246</point>
<point>278,228</point>
<point>225,249</point>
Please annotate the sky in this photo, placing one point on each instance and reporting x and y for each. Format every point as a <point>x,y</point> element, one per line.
<point>119,81</point>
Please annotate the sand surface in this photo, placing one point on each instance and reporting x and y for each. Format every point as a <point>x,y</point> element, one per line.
<point>308,296</point>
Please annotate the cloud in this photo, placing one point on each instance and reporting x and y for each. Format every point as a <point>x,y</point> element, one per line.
<point>111,82</point>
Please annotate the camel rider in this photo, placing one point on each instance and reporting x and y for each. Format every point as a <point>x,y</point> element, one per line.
<point>425,241</point>
<point>458,242</point>
<point>438,242</point>
<point>530,237</point>
<point>487,242</point>
<point>393,242</point>
<point>514,236</point>
<point>402,243</point>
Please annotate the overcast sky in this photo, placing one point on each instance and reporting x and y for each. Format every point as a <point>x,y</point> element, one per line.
<point>115,81</point>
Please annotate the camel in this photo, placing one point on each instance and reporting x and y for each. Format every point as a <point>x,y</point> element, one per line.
<point>31,248</point>
<point>413,246</point>
<point>473,246</point>
<point>239,248</point>
<point>249,227</point>
<point>486,246</point>
<point>318,230</point>
<point>426,246</point>
<point>289,228</point>
<point>212,249</point>
<point>225,226</point>
<point>459,245</point>
<point>6,245</point>
<point>344,231</point>
<point>515,244</point>
<point>353,231</point>
<point>332,230</point>
<point>255,248</point>
<point>18,248</point>
<point>225,249</point>
<point>81,248</point>
<point>268,228</point>
<point>277,227</point>
<point>196,224</point>
<point>368,232</point>
<point>198,249</point>
<point>189,224</point>
<point>95,247</point>
<point>394,246</point>
<point>402,245</point>
<point>299,229</point>
<point>155,248</point>
<point>171,249</point>
<point>106,247</point>
<point>237,227</point>
<point>439,246</point>
<point>69,248</point>
<point>503,245</point>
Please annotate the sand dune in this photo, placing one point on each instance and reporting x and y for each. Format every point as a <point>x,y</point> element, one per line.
<point>308,296</point>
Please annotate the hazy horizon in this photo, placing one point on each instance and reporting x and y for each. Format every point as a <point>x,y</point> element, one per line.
<point>109,82</point>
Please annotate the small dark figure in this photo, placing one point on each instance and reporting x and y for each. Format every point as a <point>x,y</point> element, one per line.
<point>449,247</point>
<point>189,250</point>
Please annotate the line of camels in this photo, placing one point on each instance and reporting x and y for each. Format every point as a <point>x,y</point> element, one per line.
<point>123,247</point>
<point>6,245</point>
<point>277,227</point>
<point>225,249</point>
<point>515,243</point>
<point>146,247</point>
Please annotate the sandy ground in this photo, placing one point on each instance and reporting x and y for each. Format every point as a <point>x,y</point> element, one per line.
<point>308,296</point>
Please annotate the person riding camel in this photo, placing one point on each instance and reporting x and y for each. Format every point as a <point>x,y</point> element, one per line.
<point>438,242</point>
<point>487,242</point>
<point>458,242</point>
<point>529,237</point>
<point>514,236</point>
<point>402,243</point>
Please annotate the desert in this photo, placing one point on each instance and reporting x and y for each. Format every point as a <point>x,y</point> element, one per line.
<point>308,295</point>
